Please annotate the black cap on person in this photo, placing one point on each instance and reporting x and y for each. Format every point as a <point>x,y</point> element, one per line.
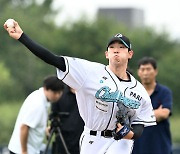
<point>123,39</point>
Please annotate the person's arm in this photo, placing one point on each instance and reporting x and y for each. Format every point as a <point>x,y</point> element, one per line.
<point>134,133</point>
<point>137,130</point>
<point>161,113</point>
<point>41,52</point>
<point>24,131</point>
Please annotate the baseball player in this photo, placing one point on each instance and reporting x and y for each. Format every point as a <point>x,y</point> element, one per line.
<point>113,104</point>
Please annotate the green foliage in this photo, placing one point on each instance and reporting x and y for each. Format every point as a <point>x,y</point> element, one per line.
<point>5,75</point>
<point>83,39</point>
<point>8,114</point>
<point>7,84</point>
<point>22,72</point>
<point>174,126</point>
<point>168,73</point>
<point>87,40</point>
<point>27,70</point>
<point>147,42</point>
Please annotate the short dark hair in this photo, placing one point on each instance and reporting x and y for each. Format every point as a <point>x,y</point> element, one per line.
<point>53,83</point>
<point>147,60</point>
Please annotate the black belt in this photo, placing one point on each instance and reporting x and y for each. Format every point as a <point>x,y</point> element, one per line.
<point>105,133</point>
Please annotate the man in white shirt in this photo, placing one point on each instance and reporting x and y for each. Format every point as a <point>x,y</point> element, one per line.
<point>31,122</point>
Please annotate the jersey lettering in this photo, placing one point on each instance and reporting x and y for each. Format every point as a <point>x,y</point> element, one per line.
<point>102,106</point>
<point>105,95</point>
<point>138,97</point>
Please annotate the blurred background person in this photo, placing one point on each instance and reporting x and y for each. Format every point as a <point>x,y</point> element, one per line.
<point>155,139</point>
<point>29,130</point>
<point>71,124</point>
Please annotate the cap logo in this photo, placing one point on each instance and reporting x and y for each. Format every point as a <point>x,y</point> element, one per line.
<point>118,35</point>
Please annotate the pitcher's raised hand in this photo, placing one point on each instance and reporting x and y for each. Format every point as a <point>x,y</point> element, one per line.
<point>15,31</point>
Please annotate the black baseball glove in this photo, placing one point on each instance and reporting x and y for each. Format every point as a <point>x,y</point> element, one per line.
<point>123,114</point>
<point>123,117</point>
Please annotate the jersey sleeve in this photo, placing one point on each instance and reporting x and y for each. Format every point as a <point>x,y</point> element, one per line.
<point>76,73</point>
<point>146,115</point>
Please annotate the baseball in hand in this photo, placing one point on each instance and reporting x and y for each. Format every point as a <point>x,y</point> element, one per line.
<point>10,23</point>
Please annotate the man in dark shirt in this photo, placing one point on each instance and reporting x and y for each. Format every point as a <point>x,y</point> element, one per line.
<point>71,124</point>
<point>155,139</point>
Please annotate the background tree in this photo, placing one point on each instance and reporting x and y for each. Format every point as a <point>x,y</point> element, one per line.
<point>25,69</point>
<point>22,72</point>
<point>83,38</point>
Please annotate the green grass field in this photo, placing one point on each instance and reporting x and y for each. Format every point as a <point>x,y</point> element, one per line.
<point>9,111</point>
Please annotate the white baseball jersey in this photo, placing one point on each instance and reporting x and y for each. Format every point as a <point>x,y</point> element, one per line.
<point>98,90</point>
